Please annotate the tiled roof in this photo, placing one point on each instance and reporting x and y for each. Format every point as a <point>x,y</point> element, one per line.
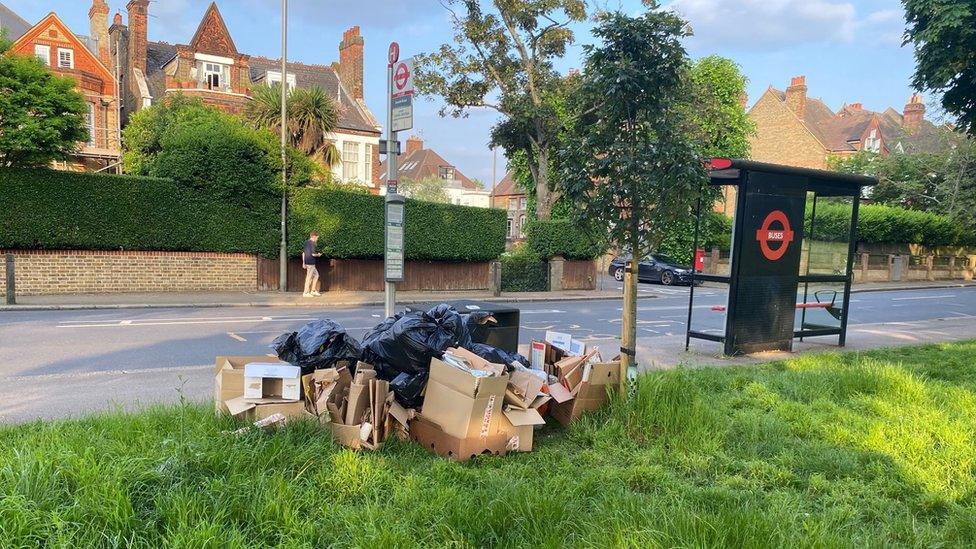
<point>506,187</point>
<point>425,163</point>
<point>14,24</point>
<point>841,131</point>
<point>353,114</point>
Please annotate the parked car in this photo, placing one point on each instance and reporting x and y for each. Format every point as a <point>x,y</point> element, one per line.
<point>653,268</point>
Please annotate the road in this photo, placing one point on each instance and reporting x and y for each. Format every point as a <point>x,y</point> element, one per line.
<point>93,358</point>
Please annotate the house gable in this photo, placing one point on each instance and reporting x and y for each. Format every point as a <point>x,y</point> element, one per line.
<point>52,32</point>
<point>781,137</point>
<point>212,36</point>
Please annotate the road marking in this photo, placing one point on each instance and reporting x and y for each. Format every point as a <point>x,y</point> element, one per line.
<point>183,322</point>
<point>543,311</point>
<point>235,336</point>
<point>118,320</point>
<point>922,297</point>
<point>375,316</point>
<point>125,322</point>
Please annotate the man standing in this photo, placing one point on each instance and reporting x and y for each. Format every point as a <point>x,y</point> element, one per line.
<point>311,271</point>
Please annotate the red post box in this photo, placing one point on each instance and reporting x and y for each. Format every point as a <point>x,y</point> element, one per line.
<point>700,260</point>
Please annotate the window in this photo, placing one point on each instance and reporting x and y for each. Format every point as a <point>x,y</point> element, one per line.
<point>512,203</point>
<point>43,53</point>
<point>446,172</point>
<point>522,226</point>
<point>523,203</point>
<point>90,123</point>
<point>350,160</point>
<point>274,77</point>
<point>873,143</point>
<point>368,161</point>
<point>66,58</point>
<point>212,75</point>
<point>511,227</point>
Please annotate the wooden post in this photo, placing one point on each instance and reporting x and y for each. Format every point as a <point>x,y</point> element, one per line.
<point>970,273</point>
<point>952,267</point>
<point>11,288</point>
<point>628,329</point>
<point>495,278</point>
<point>929,266</point>
<point>865,258</point>
<point>891,270</point>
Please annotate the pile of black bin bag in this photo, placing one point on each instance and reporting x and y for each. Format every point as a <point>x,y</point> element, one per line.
<point>399,348</point>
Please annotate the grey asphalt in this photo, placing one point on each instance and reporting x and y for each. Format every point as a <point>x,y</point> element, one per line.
<point>60,363</point>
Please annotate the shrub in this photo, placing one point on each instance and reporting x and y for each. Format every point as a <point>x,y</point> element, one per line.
<point>562,237</point>
<point>878,223</point>
<point>523,270</point>
<point>46,209</point>
<point>715,231</point>
<point>350,225</point>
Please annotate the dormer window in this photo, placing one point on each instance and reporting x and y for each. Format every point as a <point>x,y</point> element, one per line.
<point>274,77</point>
<point>872,143</point>
<point>446,172</point>
<point>213,74</point>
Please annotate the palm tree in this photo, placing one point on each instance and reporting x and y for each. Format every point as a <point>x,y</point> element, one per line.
<point>312,115</point>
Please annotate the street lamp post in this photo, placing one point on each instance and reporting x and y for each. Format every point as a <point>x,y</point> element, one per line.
<point>283,251</point>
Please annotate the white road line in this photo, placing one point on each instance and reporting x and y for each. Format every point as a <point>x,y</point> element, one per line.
<point>539,311</point>
<point>125,322</point>
<point>235,336</point>
<point>181,323</point>
<point>922,297</point>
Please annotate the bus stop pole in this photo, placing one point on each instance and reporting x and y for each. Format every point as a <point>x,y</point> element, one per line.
<point>391,175</point>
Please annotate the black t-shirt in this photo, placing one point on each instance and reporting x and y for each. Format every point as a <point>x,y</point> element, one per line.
<point>309,257</point>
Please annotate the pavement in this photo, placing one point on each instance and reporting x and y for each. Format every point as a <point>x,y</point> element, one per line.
<point>61,363</point>
<point>607,288</point>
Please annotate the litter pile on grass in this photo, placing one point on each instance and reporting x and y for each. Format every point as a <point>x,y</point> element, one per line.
<point>839,450</point>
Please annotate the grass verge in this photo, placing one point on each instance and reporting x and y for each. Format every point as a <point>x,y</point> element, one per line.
<point>874,448</point>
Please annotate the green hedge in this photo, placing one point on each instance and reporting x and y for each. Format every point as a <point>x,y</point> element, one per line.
<point>884,224</point>
<point>46,209</point>
<point>524,271</point>
<point>715,231</point>
<point>350,225</point>
<point>562,237</point>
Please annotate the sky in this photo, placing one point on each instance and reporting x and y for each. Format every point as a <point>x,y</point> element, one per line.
<point>850,51</point>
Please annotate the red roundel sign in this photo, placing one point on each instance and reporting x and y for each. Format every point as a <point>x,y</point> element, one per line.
<point>401,76</point>
<point>768,235</point>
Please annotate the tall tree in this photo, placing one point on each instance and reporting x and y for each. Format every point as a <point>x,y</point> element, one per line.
<point>503,60</point>
<point>944,35</point>
<point>312,116</point>
<point>631,160</point>
<point>719,89</point>
<point>42,115</point>
<point>430,189</point>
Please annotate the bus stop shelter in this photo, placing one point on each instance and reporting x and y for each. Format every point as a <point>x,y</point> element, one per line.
<point>790,272</point>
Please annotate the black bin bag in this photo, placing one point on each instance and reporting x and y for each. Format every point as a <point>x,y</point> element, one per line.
<point>317,345</point>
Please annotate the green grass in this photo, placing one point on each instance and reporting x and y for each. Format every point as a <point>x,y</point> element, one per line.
<point>871,449</point>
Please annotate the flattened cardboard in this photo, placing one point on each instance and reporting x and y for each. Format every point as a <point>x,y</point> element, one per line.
<point>520,418</point>
<point>346,435</point>
<point>430,436</point>
<point>523,388</point>
<point>537,355</point>
<point>559,339</point>
<point>559,393</point>
<point>591,394</point>
<point>357,403</point>
<point>477,362</point>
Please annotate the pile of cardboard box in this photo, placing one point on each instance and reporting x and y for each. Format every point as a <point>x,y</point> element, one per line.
<point>470,407</point>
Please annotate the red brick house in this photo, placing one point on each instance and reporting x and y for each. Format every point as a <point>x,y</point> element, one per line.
<point>418,162</point>
<point>797,130</point>
<point>509,197</point>
<point>85,59</point>
<point>211,68</point>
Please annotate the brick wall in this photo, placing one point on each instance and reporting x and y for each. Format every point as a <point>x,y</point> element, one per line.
<point>781,138</point>
<point>41,272</point>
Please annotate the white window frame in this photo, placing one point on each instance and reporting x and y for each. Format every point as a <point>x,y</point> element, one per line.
<point>350,160</point>
<point>211,68</point>
<point>511,227</point>
<point>521,230</point>
<point>90,121</point>
<point>368,162</point>
<point>71,58</point>
<point>274,77</point>
<point>43,52</point>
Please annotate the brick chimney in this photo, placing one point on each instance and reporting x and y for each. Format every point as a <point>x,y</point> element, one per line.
<point>796,96</point>
<point>117,20</point>
<point>98,18</point>
<point>914,114</point>
<point>856,106</point>
<point>414,144</point>
<point>351,62</point>
<point>138,34</point>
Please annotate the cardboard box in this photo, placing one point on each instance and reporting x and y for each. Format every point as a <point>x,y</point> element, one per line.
<point>430,436</point>
<point>591,393</point>
<point>229,381</point>
<point>265,381</point>
<point>477,362</point>
<point>519,426</point>
<point>523,388</point>
<point>461,404</point>
<point>346,435</point>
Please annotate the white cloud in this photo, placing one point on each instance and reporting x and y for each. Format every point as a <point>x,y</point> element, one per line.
<point>767,24</point>
<point>887,27</point>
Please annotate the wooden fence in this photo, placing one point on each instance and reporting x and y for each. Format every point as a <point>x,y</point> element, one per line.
<point>366,275</point>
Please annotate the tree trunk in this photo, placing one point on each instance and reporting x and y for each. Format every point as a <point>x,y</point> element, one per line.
<point>628,325</point>
<point>543,203</point>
